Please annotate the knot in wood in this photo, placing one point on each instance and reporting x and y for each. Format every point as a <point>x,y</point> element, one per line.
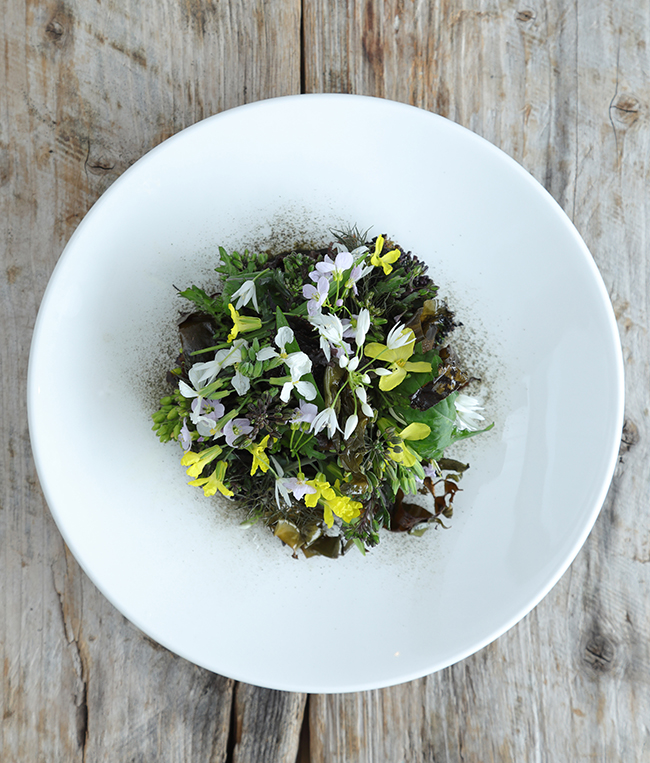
<point>5,165</point>
<point>525,16</point>
<point>599,653</point>
<point>54,31</point>
<point>100,166</point>
<point>626,109</point>
<point>629,438</point>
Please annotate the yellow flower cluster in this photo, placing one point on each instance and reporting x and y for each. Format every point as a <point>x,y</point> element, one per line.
<point>333,502</point>
<point>214,482</point>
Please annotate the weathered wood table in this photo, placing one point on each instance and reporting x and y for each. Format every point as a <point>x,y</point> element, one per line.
<point>86,88</point>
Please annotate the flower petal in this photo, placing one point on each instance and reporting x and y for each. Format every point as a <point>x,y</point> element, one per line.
<point>415,431</point>
<point>350,426</point>
<point>393,380</point>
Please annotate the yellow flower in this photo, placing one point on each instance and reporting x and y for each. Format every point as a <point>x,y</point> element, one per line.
<point>385,260</point>
<point>400,452</point>
<point>260,459</point>
<point>333,502</point>
<point>323,489</point>
<point>398,357</point>
<point>214,482</point>
<point>343,506</point>
<point>242,323</point>
<point>197,461</point>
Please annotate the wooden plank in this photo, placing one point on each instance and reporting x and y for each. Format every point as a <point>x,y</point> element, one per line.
<point>267,724</point>
<point>563,88</point>
<point>86,88</point>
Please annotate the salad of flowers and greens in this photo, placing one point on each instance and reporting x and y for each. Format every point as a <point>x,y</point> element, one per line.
<point>317,391</point>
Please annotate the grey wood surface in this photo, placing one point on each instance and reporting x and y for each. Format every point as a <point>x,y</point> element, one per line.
<point>86,88</point>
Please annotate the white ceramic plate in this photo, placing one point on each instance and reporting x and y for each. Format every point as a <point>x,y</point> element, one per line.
<point>539,329</point>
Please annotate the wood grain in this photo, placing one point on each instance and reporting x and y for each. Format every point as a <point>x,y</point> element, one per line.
<point>268,724</point>
<point>563,88</point>
<point>86,88</point>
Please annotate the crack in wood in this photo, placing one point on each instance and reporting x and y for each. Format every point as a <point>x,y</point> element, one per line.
<point>60,580</point>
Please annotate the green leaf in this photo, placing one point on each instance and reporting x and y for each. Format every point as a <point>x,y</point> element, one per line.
<point>205,303</point>
<point>441,418</point>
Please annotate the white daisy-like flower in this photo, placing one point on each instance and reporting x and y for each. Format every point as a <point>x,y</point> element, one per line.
<point>467,412</point>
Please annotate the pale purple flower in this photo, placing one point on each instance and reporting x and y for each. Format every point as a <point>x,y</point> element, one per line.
<point>316,294</point>
<point>305,413</point>
<point>236,428</point>
<point>200,413</point>
<point>185,436</point>
<point>298,487</point>
<point>356,274</point>
<point>196,408</point>
<point>348,328</point>
<point>335,268</point>
<point>430,471</point>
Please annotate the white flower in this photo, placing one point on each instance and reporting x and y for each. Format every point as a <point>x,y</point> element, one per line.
<point>240,382</point>
<point>350,426</point>
<point>467,412</point>
<point>304,388</point>
<point>299,364</point>
<point>282,339</point>
<point>363,397</point>
<point>363,324</point>
<point>246,292</point>
<point>330,330</point>
<point>202,374</point>
<point>326,418</point>
<point>350,363</point>
<point>399,336</point>
<point>280,490</point>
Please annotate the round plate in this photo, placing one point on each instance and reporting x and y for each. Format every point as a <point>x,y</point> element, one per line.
<point>538,329</point>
